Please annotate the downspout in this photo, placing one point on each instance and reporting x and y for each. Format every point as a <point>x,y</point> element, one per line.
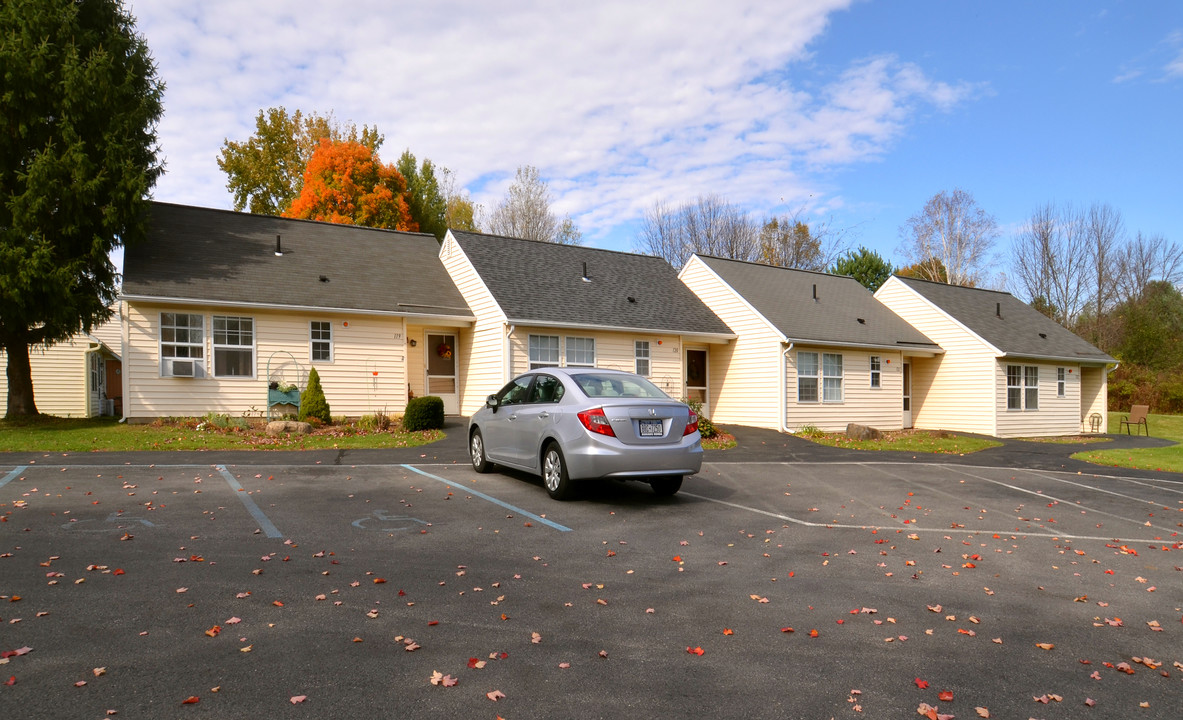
<point>507,364</point>
<point>123,374</point>
<point>784,390</point>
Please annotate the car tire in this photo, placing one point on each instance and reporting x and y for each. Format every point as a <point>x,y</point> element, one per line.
<point>476,447</point>
<point>666,485</point>
<point>554,473</point>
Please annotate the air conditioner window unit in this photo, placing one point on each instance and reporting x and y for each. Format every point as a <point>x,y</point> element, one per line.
<point>183,368</point>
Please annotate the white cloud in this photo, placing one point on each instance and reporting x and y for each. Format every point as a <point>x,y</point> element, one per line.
<point>617,103</point>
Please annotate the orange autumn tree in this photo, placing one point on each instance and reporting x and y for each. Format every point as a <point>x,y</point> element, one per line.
<point>346,183</point>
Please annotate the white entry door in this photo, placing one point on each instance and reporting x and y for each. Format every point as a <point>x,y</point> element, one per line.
<point>442,380</point>
<point>907,395</point>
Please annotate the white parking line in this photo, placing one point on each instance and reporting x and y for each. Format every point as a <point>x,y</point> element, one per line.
<point>260,517</point>
<point>490,498</point>
<point>13,475</point>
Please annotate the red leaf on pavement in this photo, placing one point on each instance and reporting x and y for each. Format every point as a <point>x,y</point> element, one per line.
<point>786,629</point>
<point>728,631</point>
<point>191,700</point>
<point>11,680</point>
<point>922,684</point>
<point>813,633</point>
<point>495,695</point>
<point>297,699</point>
<point>695,651</point>
<point>945,696</point>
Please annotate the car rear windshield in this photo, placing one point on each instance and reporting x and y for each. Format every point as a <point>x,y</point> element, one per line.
<point>595,385</point>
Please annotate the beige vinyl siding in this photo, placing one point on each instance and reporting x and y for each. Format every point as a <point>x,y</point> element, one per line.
<point>1094,394</point>
<point>880,407</point>
<point>110,333</point>
<point>614,351</point>
<point>953,391</point>
<point>60,378</point>
<point>367,374</point>
<point>744,373</point>
<point>1055,415</point>
<point>482,348</point>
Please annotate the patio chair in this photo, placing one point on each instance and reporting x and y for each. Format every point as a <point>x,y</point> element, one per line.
<point>1137,417</point>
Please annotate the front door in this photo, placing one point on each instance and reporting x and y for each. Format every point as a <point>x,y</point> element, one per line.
<point>98,384</point>
<point>907,395</point>
<point>696,378</point>
<point>441,370</point>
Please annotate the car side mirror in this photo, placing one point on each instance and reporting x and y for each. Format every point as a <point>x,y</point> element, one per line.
<point>492,402</point>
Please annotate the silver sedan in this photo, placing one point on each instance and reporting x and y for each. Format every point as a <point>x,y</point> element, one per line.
<point>569,424</point>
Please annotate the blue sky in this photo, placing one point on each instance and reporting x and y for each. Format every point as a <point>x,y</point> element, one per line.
<point>853,112</point>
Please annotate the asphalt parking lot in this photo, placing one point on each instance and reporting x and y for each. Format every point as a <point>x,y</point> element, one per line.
<point>763,589</point>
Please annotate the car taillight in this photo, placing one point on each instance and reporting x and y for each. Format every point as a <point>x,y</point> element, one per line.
<point>691,424</point>
<point>596,421</point>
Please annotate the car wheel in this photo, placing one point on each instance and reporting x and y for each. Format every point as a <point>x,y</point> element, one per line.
<point>476,445</point>
<point>554,473</point>
<point>666,485</point>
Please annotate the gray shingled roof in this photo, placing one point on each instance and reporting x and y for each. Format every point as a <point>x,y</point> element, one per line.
<point>541,282</point>
<point>1007,323</point>
<point>216,256</point>
<point>844,313</point>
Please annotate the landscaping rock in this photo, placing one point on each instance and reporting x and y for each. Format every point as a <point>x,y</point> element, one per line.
<point>855,431</point>
<point>282,427</point>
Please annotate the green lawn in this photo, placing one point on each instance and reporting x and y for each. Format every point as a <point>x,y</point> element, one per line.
<point>1169,427</point>
<point>922,441</point>
<point>52,434</point>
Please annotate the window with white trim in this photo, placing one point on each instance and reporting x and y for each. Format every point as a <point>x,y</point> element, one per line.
<point>876,373</point>
<point>581,352</point>
<point>234,346</point>
<point>544,351</point>
<point>641,355</point>
<point>1061,381</point>
<point>807,370</point>
<point>831,377</point>
<point>182,338</point>
<point>320,338</point>
<point>1022,387</point>
<point>1031,387</point>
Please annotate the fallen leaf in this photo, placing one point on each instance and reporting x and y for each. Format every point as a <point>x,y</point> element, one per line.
<point>695,651</point>
<point>922,684</point>
<point>99,671</point>
<point>535,638</point>
<point>191,700</point>
<point>982,712</point>
<point>1044,646</point>
<point>297,699</point>
<point>945,696</point>
<point>495,695</point>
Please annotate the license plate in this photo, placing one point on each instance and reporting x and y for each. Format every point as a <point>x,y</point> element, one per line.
<point>651,428</point>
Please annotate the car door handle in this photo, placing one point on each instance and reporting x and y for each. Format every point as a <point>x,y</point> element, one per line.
<point>544,414</point>
<point>513,417</point>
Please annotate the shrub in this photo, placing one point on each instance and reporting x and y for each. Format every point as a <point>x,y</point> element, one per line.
<point>424,413</point>
<point>377,422</point>
<point>312,401</point>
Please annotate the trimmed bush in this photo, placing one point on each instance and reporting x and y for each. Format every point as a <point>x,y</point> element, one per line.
<point>424,413</point>
<point>312,401</point>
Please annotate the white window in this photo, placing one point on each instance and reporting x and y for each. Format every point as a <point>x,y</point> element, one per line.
<point>581,352</point>
<point>544,351</point>
<point>234,346</point>
<point>1061,380</point>
<point>831,377</point>
<point>1022,387</point>
<point>807,377</point>
<point>182,344</point>
<point>321,340</point>
<point>1031,387</point>
<point>876,374</point>
<point>641,353</point>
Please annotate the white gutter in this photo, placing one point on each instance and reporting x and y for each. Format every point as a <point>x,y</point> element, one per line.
<point>449,319</point>
<point>718,338</point>
<point>784,391</point>
<point>1109,372</point>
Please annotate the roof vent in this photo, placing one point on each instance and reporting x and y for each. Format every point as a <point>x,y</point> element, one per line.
<point>998,309</point>
<point>1043,335</point>
<point>861,321</point>
<point>815,292</point>
<point>632,299</point>
<point>278,247</point>
<point>585,277</point>
<point>324,278</point>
